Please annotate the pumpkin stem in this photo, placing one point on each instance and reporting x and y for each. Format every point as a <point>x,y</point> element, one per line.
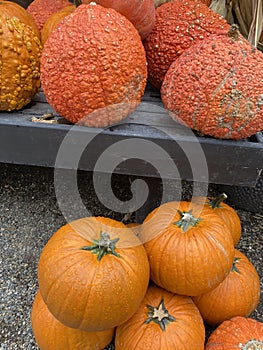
<point>103,246</point>
<point>78,2</point>
<point>215,202</point>
<point>233,32</point>
<point>253,345</point>
<point>234,266</point>
<point>186,220</point>
<point>159,315</point>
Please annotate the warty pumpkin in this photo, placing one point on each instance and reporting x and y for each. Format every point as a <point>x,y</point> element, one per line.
<point>189,247</point>
<point>225,211</point>
<point>93,274</point>
<point>50,334</point>
<point>237,295</point>
<point>20,51</point>
<point>12,9</point>
<point>158,3</point>
<point>237,333</point>
<point>178,25</point>
<point>94,74</point>
<point>163,321</point>
<point>215,87</point>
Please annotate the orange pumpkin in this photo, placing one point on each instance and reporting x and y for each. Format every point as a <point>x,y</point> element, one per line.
<point>237,295</point>
<point>93,274</point>
<point>189,247</point>
<point>163,321</point>
<point>225,211</point>
<point>51,334</point>
<point>237,333</point>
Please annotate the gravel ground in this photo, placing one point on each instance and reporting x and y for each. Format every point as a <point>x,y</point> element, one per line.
<point>30,215</point>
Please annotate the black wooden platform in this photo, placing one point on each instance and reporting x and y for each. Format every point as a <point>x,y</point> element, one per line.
<point>24,141</point>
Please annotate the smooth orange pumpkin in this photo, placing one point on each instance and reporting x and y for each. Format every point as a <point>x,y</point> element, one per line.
<point>225,211</point>
<point>189,247</point>
<point>93,274</point>
<point>163,321</point>
<point>51,334</point>
<point>237,333</point>
<point>237,295</point>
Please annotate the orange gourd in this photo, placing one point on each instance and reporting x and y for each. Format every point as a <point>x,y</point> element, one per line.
<point>50,334</point>
<point>189,247</point>
<point>93,274</point>
<point>163,321</point>
<point>237,295</point>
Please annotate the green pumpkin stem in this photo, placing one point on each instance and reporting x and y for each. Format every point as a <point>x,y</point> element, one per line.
<point>187,220</point>
<point>215,202</point>
<point>234,266</point>
<point>159,315</point>
<point>103,246</point>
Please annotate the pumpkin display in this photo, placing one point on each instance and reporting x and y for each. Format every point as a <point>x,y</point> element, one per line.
<point>12,9</point>
<point>141,13</point>
<point>93,274</point>
<point>189,247</point>
<point>51,334</point>
<point>237,333</point>
<point>225,211</point>
<point>237,295</point>
<point>221,98</point>
<point>40,10</point>
<point>158,3</point>
<point>163,321</point>
<point>20,51</point>
<point>54,20</point>
<point>94,74</point>
<point>178,25</point>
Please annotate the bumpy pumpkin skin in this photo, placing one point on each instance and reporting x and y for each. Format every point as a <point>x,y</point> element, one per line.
<point>20,51</point>
<point>221,99</point>
<point>226,213</point>
<point>177,26</point>
<point>84,292</point>
<point>141,13</point>
<point>185,332</point>
<point>237,333</point>
<point>237,295</point>
<point>191,261</point>
<point>158,3</point>
<point>94,74</point>
<point>40,10</point>
<point>51,334</point>
<point>12,9</point>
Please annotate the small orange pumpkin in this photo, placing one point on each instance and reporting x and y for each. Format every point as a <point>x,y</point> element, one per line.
<point>189,247</point>
<point>237,333</point>
<point>51,334</point>
<point>163,321</point>
<point>93,274</point>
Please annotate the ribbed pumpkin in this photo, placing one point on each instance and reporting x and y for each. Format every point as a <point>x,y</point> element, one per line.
<point>93,274</point>
<point>20,52</point>
<point>94,74</point>
<point>238,333</point>
<point>215,87</point>
<point>225,211</point>
<point>237,295</point>
<point>189,247</point>
<point>40,10</point>
<point>50,334</point>
<point>163,321</point>
<point>53,20</point>
<point>141,13</point>
<point>11,9</point>
<point>178,25</point>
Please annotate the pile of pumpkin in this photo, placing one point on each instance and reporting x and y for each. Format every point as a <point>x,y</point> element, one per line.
<point>154,285</point>
<point>97,58</point>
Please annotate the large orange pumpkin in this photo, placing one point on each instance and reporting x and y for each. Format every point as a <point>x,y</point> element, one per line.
<point>189,247</point>
<point>93,274</point>
<point>238,333</point>
<point>50,334</point>
<point>225,211</point>
<point>163,321</point>
<point>237,295</point>
<point>94,73</point>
